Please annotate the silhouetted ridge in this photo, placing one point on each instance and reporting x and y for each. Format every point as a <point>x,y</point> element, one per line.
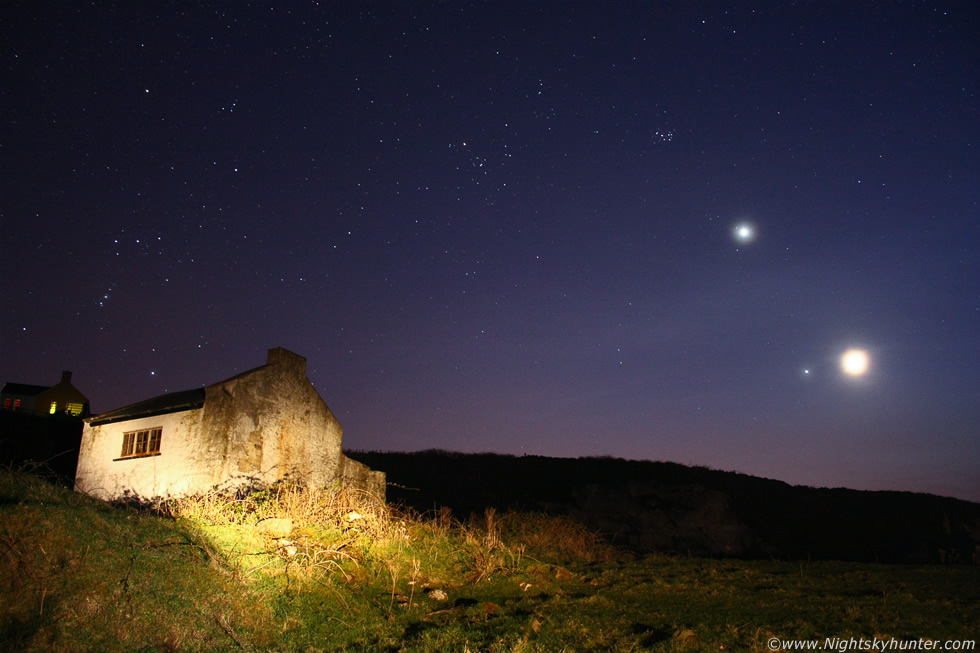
<point>663,506</point>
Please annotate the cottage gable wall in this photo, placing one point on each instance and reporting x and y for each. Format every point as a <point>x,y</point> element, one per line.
<point>271,423</point>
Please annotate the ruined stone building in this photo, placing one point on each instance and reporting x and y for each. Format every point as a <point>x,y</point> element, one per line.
<point>265,424</point>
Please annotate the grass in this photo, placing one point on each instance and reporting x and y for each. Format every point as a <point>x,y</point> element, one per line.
<point>213,573</point>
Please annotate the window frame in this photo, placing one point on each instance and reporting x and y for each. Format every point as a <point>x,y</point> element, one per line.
<point>141,443</point>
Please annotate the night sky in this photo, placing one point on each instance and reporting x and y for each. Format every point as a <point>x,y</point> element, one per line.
<point>645,230</point>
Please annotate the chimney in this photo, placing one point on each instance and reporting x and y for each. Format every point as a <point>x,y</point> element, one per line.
<point>66,377</point>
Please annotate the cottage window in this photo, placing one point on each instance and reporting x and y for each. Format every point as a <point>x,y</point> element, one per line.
<point>54,407</point>
<point>141,443</point>
<point>73,408</point>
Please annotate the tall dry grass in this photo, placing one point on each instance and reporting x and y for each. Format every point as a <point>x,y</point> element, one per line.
<point>317,535</point>
<point>337,506</point>
<point>347,533</point>
<point>557,536</point>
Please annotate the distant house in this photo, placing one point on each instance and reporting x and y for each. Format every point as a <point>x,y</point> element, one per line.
<point>265,424</point>
<point>60,399</point>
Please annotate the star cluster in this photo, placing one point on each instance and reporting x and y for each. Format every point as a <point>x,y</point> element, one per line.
<point>642,230</point>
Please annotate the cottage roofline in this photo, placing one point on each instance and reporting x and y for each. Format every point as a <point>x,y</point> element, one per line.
<point>171,402</point>
<point>26,389</point>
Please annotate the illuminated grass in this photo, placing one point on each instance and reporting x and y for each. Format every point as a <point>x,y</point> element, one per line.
<point>78,574</point>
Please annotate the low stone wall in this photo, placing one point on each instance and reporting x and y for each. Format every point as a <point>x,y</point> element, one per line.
<point>361,476</point>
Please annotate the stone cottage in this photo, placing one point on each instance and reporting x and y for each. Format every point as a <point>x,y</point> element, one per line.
<point>60,399</point>
<point>265,424</point>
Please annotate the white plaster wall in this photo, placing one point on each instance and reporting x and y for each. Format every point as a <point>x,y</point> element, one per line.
<point>182,467</point>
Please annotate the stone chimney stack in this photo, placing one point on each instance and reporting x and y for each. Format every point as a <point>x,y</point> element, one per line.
<point>66,377</point>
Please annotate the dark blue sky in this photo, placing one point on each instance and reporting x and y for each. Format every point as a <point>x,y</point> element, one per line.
<point>508,226</point>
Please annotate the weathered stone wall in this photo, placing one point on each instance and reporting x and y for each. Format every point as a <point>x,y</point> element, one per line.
<point>270,423</point>
<point>361,476</point>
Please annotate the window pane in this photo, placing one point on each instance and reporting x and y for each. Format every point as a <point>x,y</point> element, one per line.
<point>127,448</point>
<point>155,440</point>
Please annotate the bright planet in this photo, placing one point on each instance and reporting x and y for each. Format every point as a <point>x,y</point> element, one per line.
<point>743,232</point>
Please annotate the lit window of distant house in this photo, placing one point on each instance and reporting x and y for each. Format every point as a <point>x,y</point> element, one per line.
<point>141,443</point>
<point>54,407</point>
<point>73,408</point>
<point>16,404</point>
<point>6,403</point>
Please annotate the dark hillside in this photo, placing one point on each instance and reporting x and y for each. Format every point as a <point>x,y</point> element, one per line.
<point>51,441</point>
<point>660,506</point>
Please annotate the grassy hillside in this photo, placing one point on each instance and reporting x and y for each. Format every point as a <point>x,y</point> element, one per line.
<point>662,506</point>
<point>221,573</point>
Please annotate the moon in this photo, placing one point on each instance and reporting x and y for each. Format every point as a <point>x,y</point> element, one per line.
<point>855,362</point>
